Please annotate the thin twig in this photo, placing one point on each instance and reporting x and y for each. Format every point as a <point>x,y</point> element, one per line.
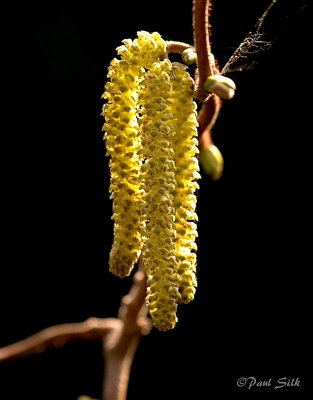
<point>207,66</point>
<point>57,336</point>
<point>206,62</point>
<point>206,119</point>
<point>121,337</point>
<point>177,47</point>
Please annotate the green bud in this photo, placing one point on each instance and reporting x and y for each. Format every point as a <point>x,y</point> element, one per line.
<point>212,162</point>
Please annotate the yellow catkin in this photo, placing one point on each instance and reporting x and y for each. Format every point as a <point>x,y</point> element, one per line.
<point>187,172</point>
<point>159,184</point>
<point>151,131</point>
<point>123,144</point>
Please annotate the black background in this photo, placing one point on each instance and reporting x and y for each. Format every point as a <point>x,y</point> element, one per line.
<point>250,316</point>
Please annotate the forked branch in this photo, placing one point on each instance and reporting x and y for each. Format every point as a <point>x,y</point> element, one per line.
<point>120,336</point>
<point>121,344</point>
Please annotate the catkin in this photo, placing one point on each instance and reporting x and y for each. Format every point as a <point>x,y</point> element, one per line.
<point>187,172</point>
<point>159,184</point>
<point>123,144</point>
<point>151,130</point>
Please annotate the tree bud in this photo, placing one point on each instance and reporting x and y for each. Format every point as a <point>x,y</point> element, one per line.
<point>212,162</point>
<point>222,86</point>
<point>189,56</point>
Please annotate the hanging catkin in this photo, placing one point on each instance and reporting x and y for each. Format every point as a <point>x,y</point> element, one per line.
<point>151,130</point>
<point>123,144</point>
<point>187,172</point>
<point>159,185</point>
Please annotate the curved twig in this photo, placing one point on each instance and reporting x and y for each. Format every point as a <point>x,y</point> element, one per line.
<point>120,337</point>
<point>177,47</point>
<point>57,336</point>
<point>207,66</point>
<point>206,62</point>
<point>206,119</point>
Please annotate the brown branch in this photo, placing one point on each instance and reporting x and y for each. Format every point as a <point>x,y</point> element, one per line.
<point>120,336</point>
<point>57,336</point>
<point>206,119</point>
<point>207,66</point>
<point>206,61</point>
<point>120,346</point>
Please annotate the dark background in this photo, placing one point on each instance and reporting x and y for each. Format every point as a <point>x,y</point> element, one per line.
<point>250,316</point>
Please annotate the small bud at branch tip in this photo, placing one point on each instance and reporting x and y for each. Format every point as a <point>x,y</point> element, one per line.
<point>189,56</point>
<point>212,162</point>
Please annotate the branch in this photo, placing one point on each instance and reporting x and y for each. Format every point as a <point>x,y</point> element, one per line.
<point>210,157</point>
<point>121,337</point>
<point>120,346</point>
<point>206,119</point>
<point>207,66</point>
<point>57,336</point>
<point>206,61</point>
<point>177,47</point>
